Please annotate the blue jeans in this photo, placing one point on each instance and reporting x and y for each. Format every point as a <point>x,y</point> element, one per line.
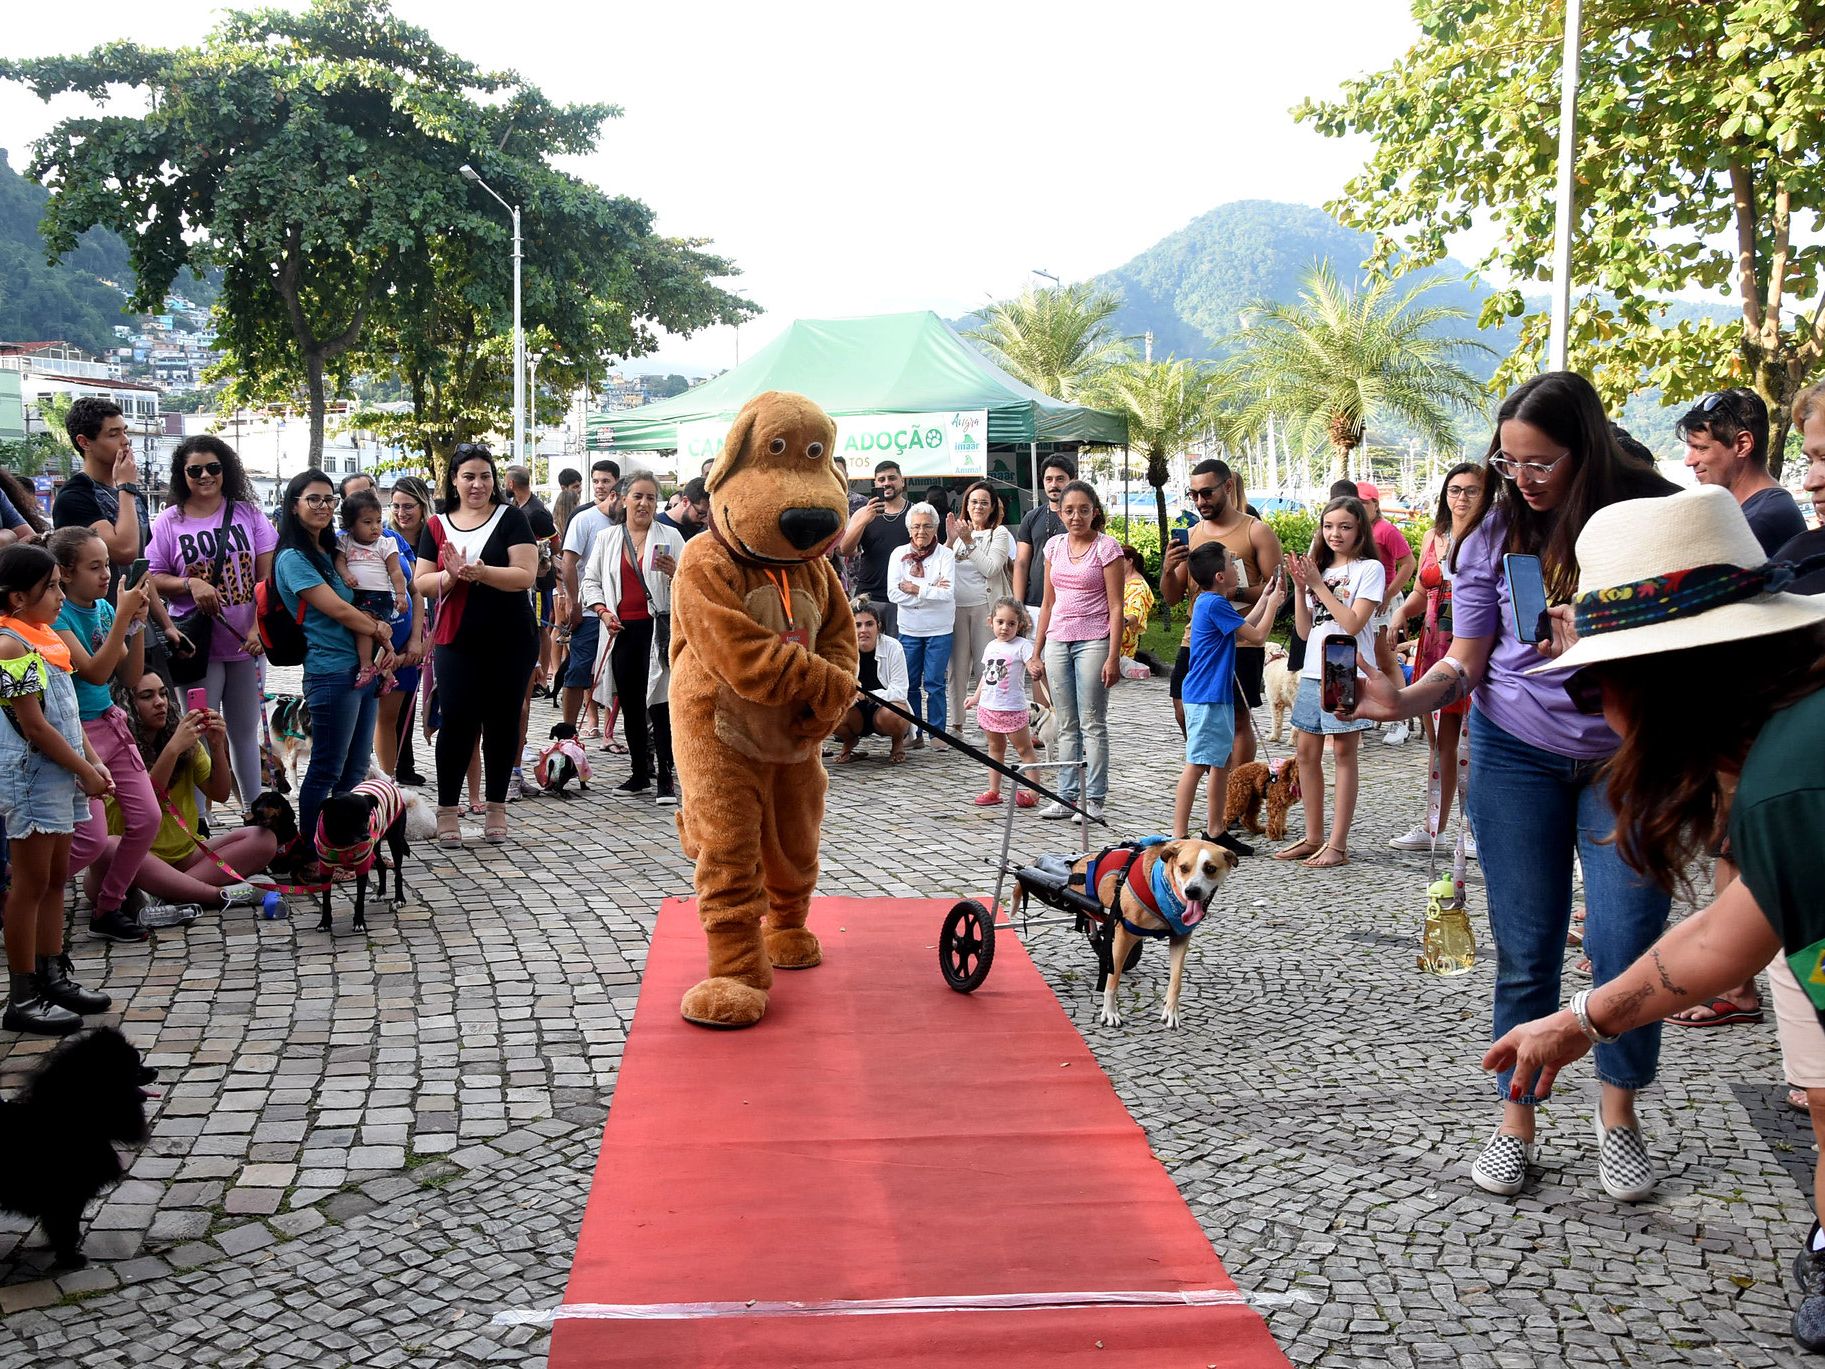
<point>1532,810</point>
<point>342,740</point>
<point>928,662</point>
<point>1080,703</point>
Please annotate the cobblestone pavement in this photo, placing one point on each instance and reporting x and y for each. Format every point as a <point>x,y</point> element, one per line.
<point>368,1146</point>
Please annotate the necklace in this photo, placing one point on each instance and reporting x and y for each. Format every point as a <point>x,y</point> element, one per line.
<point>894,517</point>
<point>1079,555</point>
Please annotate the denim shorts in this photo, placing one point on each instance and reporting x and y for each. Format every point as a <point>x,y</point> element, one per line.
<point>1210,733</point>
<point>1308,716</point>
<point>580,669</point>
<point>38,796</point>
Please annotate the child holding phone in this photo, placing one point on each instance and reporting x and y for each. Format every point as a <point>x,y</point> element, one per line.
<point>48,772</point>
<point>1217,628</point>
<point>104,646</point>
<point>1342,582</point>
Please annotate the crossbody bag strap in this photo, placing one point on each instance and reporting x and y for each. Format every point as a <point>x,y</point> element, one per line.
<point>627,555</point>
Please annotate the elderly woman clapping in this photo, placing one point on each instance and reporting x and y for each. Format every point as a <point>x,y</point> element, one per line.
<point>921,583</point>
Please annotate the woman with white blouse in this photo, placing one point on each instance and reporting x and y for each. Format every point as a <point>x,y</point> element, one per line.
<point>921,582</point>
<point>985,573</point>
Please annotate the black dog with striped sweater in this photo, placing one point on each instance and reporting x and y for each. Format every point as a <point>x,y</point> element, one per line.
<point>350,827</point>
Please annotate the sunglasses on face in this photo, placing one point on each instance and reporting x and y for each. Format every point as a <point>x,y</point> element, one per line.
<point>1208,493</point>
<point>1586,691</point>
<point>210,468</point>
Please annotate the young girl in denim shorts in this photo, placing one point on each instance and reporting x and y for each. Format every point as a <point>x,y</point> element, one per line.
<point>48,772</point>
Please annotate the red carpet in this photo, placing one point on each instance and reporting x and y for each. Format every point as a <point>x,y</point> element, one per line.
<point>878,1136</point>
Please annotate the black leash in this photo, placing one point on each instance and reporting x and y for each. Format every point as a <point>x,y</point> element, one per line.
<point>974,754</point>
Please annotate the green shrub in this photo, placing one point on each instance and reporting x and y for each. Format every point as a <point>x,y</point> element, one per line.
<point>1143,534</point>
<point>1294,529</point>
<point>1415,532</point>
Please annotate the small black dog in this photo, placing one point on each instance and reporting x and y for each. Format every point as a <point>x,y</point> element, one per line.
<point>354,823</point>
<point>57,1137</point>
<point>273,811</point>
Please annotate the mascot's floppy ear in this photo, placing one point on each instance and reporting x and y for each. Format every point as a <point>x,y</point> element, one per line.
<point>735,445</point>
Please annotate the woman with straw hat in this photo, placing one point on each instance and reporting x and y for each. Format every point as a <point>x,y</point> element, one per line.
<point>1536,802</point>
<point>1675,592</point>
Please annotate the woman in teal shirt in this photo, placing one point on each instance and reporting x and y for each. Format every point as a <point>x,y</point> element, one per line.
<point>341,714</point>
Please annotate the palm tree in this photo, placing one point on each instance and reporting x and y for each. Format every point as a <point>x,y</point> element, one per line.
<point>1170,406</point>
<point>1342,356</point>
<point>1053,340</point>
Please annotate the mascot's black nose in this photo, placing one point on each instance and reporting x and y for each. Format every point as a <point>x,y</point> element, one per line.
<point>805,528</point>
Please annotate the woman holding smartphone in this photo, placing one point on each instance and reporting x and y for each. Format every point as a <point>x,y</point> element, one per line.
<point>1536,801</point>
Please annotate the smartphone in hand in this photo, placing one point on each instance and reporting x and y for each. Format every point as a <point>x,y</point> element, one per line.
<point>135,573</point>
<point>1181,536</point>
<point>1526,598</point>
<point>196,700</point>
<point>1339,679</point>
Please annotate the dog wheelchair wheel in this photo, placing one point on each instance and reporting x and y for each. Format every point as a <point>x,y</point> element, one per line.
<point>966,946</point>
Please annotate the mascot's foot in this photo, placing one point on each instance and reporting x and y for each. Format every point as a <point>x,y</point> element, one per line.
<point>793,948</point>
<point>726,1003</point>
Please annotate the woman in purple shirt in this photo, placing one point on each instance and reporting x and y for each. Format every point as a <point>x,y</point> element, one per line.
<point>1535,799</point>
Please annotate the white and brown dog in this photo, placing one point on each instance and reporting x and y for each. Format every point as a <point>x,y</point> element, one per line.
<point>1152,889</point>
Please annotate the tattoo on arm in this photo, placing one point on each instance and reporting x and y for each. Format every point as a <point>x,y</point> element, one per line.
<point>1666,980</point>
<point>1627,1008</point>
<point>1444,684</point>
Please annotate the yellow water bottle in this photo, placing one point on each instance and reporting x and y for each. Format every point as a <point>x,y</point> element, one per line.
<point>1447,946</point>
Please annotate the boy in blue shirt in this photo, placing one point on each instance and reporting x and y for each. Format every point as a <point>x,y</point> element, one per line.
<point>1209,689</point>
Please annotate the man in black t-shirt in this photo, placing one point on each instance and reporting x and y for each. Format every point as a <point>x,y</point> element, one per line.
<point>104,496</point>
<point>1040,524</point>
<point>1726,437</point>
<point>545,581</point>
<point>875,530</point>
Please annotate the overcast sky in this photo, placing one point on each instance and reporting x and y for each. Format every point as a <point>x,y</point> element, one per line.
<point>858,159</point>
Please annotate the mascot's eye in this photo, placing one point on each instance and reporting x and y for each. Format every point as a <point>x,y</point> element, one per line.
<point>777,446</point>
<point>815,450</point>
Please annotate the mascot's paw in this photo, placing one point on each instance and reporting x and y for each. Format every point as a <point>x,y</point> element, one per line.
<point>722,1002</point>
<point>793,948</point>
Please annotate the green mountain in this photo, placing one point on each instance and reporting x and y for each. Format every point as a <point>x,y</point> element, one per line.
<point>1191,287</point>
<point>79,299</point>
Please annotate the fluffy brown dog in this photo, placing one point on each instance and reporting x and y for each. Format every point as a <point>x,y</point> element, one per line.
<point>763,668</point>
<point>1274,783</point>
<point>1194,870</point>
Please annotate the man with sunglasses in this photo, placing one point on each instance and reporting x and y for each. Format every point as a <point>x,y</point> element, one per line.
<point>1726,437</point>
<point>1256,552</point>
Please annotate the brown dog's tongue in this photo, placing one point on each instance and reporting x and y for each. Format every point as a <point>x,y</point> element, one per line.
<point>1194,911</point>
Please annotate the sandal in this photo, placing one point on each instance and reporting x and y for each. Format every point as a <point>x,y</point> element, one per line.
<point>1025,799</point>
<point>1300,850</point>
<point>616,746</point>
<point>589,734</point>
<point>1315,861</point>
<point>494,829</point>
<point>449,826</point>
<point>988,799</point>
<point>1797,1099</point>
<point>1724,1013</point>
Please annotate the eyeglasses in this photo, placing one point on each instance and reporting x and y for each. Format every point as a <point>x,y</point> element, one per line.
<point>207,468</point>
<point>1463,491</point>
<point>1586,692</point>
<point>404,506</point>
<point>319,501</point>
<point>1536,472</point>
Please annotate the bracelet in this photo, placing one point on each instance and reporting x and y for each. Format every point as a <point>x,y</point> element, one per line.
<point>1581,1010</point>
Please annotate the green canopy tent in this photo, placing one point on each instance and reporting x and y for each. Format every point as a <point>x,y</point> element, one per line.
<point>864,368</point>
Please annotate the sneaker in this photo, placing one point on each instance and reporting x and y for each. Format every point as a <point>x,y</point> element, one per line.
<point>1417,838</point>
<point>667,797</point>
<point>1094,807</point>
<point>634,784</point>
<point>1470,845</point>
<point>1396,735</point>
<point>1502,1167</point>
<point>1623,1165</point>
<point>162,915</point>
<point>1809,1320</point>
<point>529,787</point>
<point>241,895</point>
<point>1808,1264</point>
<point>410,777</point>
<point>114,925</point>
<point>1053,811</point>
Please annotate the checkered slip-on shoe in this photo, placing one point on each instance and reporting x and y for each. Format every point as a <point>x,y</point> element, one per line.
<point>1502,1167</point>
<point>1623,1164</point>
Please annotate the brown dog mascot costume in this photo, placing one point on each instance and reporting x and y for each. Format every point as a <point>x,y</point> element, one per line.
<point>763,668</point>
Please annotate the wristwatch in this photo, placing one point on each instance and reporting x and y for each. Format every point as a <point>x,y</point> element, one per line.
<point>1581,1010</point>
<point>129,487</point>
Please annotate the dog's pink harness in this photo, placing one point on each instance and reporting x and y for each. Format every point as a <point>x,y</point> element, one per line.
<point>568,746</point>
<point>388,801</point>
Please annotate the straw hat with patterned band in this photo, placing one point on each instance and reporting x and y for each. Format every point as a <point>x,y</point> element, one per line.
<point>1659,575</point>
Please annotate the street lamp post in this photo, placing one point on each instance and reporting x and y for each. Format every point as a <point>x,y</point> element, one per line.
<point>1047,275</point>
<point>1564,213</point>
<point>519,338</point>
<point>531,460</point>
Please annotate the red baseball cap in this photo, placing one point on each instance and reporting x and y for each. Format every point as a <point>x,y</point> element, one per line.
<point>1366,490</point>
